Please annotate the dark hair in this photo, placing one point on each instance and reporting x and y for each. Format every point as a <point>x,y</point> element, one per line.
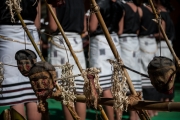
<point>25,54</point>
<point>167,5</point>
<point>41,67</point>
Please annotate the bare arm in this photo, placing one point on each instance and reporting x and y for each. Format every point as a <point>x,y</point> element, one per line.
<point>140,12</point>
<point>93,23</point>
<point>38,16</point>
<point>121,24</point>
<point>52,24</point>
<point>159,35</point>
<point>85,24</point>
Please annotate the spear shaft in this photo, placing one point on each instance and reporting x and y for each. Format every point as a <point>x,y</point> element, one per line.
<point>96,8</point>
<point>72,52</point>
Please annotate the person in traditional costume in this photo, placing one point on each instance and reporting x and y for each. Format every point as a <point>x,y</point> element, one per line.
<point>129,42</point>
<point>148,46</point>
<point>164,7</point>
<point>17,91</point>
<point>71,16</point>
<point>100,50</point>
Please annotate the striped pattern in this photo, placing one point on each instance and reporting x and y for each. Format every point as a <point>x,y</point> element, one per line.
<point>16,88</point>
<point>146,82</point>
<point>130,54</point>
<point>99,53</point>
<point>57,56</point>
<point>163,49</point>
<point>148,47</point>
<point>105,81</point>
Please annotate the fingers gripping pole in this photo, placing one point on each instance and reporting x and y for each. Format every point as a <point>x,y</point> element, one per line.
<point>72,52</point>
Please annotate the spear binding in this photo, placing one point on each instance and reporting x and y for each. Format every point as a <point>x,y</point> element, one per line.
<point>164,35</point>
<point>95,7</point>
<point>45,116</point>
<point>71,50</point>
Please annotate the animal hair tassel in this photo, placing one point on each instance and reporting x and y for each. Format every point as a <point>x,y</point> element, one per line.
<point>119,87</point>
<point>92,88</point>
<point>68,89</point>
<point>13,5</point>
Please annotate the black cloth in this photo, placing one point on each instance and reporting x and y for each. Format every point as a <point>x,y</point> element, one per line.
<point>147,26</point>
<point>151,94</point>
<point>71,16</point>
<point>170,30</point>
<point>111,13</point>
<point>131,20</point>
<point>28,12</point>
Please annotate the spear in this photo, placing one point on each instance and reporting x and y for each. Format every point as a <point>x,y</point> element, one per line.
<point>95,8</point>
<point>138,104</point>
<point>45,116</point>
<point>164,35</point>
<point>72,52</point>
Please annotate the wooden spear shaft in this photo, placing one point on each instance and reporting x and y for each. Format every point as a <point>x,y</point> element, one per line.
<point>110,42</point>
<point>64,36</point>
<point>29,35</point>
<point>45,116</point>
<point>146,105</point>
<point>164,34</point>
<point>72,52</point>
<point>96,8</point>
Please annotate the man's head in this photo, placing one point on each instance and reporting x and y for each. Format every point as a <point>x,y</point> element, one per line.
<point>162,72</point>
<point>42,77</point>
<point>25,60</point>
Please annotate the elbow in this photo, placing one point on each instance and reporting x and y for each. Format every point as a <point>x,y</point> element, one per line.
<point>52,28</point>
<point>92,29</point>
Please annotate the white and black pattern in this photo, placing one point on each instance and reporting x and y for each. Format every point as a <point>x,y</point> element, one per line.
<point>100,51</point>
<point>60,56</point>
<point>16,88</point>
<point>148,47</point>
<point>130,55</point>
<point>163,49</point>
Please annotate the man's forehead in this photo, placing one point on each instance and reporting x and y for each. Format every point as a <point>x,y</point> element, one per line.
<point>39,74</point>
<point>23,60</point>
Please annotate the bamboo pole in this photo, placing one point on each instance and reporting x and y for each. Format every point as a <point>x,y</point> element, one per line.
<point>29,35</point>
<point>72,52</point>
<point>146,105</point>
<point>95,8</point>
<point>64,36</point>
<point>164,34</point>
<point>110,42</point>
<point>45,116</point>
